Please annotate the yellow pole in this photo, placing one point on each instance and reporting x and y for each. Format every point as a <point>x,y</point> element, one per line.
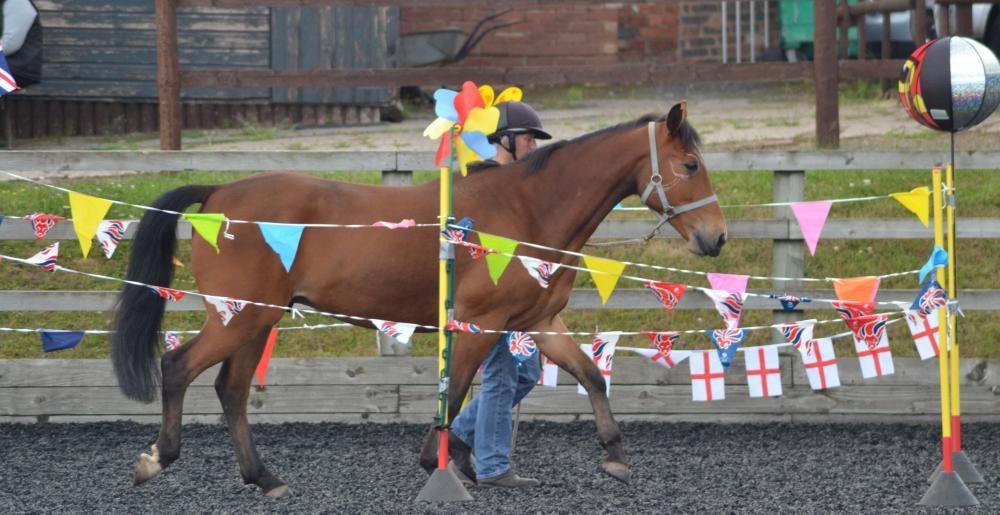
<point>443,294</point>
<point>956,417</point>
<point>946,445</point>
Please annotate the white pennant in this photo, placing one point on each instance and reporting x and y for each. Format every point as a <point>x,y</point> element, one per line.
<point>47,259</point>
<point>226,307</point>
<point>400,331</point>
<point>729,305</point>
<point>671,360</point>
<point>604,345</point>
<point>541,270</point>
<point>110,233</point>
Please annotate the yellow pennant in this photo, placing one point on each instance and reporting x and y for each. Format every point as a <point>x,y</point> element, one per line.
<point>207,225</point>
<point>916,200</point>
<point>497,263</point>
<point>605,273</point>
<point>87,215</point>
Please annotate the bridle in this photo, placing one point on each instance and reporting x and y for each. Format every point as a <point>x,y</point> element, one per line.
<point>656,184</point>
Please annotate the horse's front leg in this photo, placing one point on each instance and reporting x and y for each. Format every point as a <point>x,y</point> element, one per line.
<point>565,352</point>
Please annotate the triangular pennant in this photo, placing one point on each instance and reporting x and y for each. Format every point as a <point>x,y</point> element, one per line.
<point>732,283</point>
<point>171,341</point>
<point>399,331</point>
<point>41,223</point>
<point>727,342</point>
<point>226,307</point>
<point>464,327</point>
<point>541,270</point>
<point>857,289</point>
<point>789,302</point>
<point>669,360</point>
<point>284,241</point>
<point>47,259</point>
<point>669,294</point>
<point>168,293</point>
<point>939,257</point>
<point>588,350</point>
<point>729,305</point>
<point>799,334</point>
<point>406,223</point>
<point>550,373</point>
<point>265,358</point>
<point>916,200</point>
<point>849,310</point>
<point>110,234</point>
<point>605,273</point>
<point>207,225</point>
<point>930,298</point>
<point>497,263</point>
<point>811,217</point>
<point>458,231</point>
<point>663,341</point>
<point>602,352</point>
<point>869,329</point>
<point>926,336</point>
<point>87,215</point>
<point>521,345</point>
<point>60,340</point>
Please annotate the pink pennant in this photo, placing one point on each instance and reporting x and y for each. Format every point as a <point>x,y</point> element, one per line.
<point>812,218</point>
<point>729,282</point>
<point>404,224</point>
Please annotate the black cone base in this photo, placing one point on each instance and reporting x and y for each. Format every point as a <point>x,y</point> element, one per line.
<point>948,490</point>
<point>444,486</point>
<point>963,466</point>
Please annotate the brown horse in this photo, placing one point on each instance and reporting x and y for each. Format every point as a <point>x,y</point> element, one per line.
<point>556,197</point>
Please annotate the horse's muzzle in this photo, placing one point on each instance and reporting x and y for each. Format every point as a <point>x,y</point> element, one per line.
<point>708,245</point>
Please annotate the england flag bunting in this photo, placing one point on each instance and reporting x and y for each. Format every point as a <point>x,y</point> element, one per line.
<point>41,223</point>
<point>226,307</point>
<point>521,345</point>
<point>924,329</point>
<point>602,352</point>
<point>171,341</point>
<point>799,334</point>
<point>872,345</point>
<point>397,330</point>
<point>821,365</point>
<point>541,270</point>
<point>7,82</point>
<point>930,298</point>
<point>763,371</point>
<point>669,294</point>
<point>47,259</point>
<point>729,305</point>
<point>670,359</point>
<point>110,234</point>
<point>707,377</point>
<point>550,373</point>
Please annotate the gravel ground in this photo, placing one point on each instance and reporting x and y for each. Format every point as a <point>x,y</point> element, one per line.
<point>76,468</point>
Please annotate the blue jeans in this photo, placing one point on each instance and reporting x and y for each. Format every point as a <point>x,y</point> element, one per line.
<point>486,423</point>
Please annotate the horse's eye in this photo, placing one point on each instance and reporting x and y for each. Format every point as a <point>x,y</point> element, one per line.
<point>691,166</point>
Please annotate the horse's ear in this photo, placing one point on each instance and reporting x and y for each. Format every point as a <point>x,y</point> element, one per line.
<point>676,117</point>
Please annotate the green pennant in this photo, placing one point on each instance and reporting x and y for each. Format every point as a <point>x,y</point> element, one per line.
<point>207,225</point>
<point>497,263</point>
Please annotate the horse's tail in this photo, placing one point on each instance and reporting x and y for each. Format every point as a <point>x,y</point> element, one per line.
<point>139,311</point>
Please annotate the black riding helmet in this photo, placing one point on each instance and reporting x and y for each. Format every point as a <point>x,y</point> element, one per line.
<point>518,118</point>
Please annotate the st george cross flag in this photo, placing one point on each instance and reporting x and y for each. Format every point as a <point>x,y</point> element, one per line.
<point>729,305</point>
<point>821,365</point>
<point>168,293</point>
<point>550,373</point>
<point>522,346</point>
<point>171,341</point>
<point>670,359</point>
<point>875,361</point>
<point>669,294</point>
<point>398,330</point>
<point>930,298</point>
<point>227,308</point>
<point>110,234</point>
<point>541,270</point>
<point>924,329</point>
<point>727,341</point>
<point>7,83</point>
<point>602,352</point>
<point>47,259</point>
<point>41,223</point>
<point>708,381</point>
<point>799,334</point>
<point>763,371</point>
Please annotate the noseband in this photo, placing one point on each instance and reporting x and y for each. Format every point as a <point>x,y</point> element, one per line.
<point>656,184</point>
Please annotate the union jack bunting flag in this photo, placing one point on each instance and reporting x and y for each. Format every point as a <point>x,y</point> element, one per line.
<point>789,302</point>
<point>459,231</point>
<point>669,294</point>
<point>799,334</point>
<point>47,259</point>
<point>729,305</point>
<point>464,327</point>
<point>727,341</point>
<point>869,329</point>
<point>522,346</point>
<point>930,298</point>
<point>477,251</point>
<point>875,360</point>
<point>227,308</point>
<point>399,331</point>
<point>171,341</point>
<point>924,329</point>
<point>110,234</point>
<point>541,270</point>
<point>849,309</point>
<point>607,349</point>
<point>668,359</point>
<point>7,82</point>
<point>41,223</point>
<point>168,293</point>
<point>663,341</point>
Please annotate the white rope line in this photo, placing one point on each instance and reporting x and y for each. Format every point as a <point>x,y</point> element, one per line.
<point>186,331</point>
<point>777,204</point>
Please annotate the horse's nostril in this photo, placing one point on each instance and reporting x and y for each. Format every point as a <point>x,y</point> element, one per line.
<point>722,240</point>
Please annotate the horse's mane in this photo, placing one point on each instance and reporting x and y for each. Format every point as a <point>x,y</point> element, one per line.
<point>537,160</point>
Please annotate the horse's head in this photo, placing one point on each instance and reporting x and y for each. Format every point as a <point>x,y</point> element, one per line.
<point>675,183</point>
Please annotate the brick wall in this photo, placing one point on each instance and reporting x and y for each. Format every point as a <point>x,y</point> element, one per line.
<point>701,24</point>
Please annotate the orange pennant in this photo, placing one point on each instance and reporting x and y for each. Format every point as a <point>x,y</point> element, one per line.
<point>265,359</point>
<point>857,289</point>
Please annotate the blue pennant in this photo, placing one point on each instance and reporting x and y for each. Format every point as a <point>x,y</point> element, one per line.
<point>284,240</point>
<point>727,341</point>
<point>939,257</point>
<point>60,340</point>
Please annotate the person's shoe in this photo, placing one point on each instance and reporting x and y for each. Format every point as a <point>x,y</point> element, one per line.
<point>509,480</point>
<point>461,456</point>
<point>466,481</point>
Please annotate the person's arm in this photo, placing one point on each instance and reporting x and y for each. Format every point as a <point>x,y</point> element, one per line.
<point>18,15</point>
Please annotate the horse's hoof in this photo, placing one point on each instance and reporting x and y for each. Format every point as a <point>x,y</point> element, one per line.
<point>619,471</point>
<point>147,467</point>
<point>278,491</point>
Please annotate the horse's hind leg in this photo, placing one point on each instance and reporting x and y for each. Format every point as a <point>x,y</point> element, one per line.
<point>233,388</point>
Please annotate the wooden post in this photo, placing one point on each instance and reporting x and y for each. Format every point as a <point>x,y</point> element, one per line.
<point>843,25</point>
<point>827,75</point>
<point>387,345</point>
<point>943,21</point>
<point>862,38</point>
<point>788,255</point>
<point>963,20</point>
<point>919,23</point>
<point>167,75</point>
<point>887,84</point>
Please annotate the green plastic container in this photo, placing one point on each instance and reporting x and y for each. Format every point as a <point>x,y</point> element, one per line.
<point>797,31</point>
